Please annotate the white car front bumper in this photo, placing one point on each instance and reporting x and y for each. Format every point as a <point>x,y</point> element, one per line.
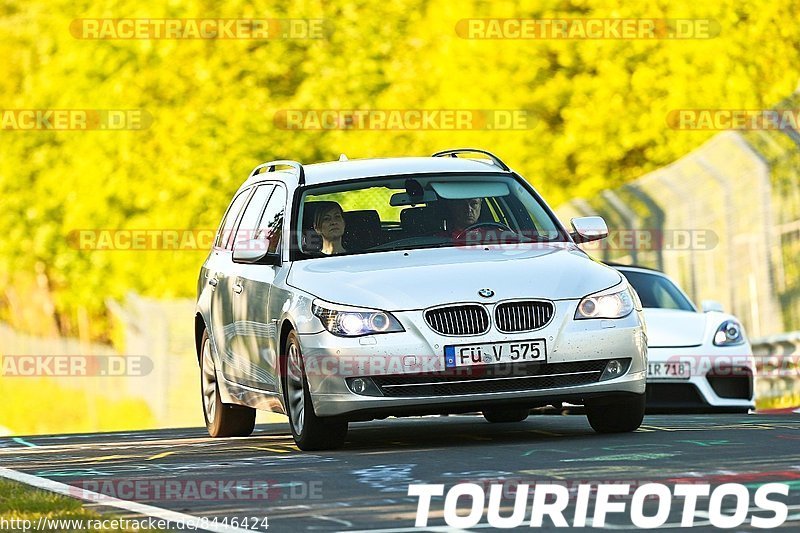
<point>719,377</point>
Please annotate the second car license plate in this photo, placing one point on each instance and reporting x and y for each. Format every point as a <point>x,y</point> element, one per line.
<point>495,353</point>
<point>669,370</point>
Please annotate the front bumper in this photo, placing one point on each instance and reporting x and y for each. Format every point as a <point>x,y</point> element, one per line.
<point>721,377</point>
<point>418,353</point>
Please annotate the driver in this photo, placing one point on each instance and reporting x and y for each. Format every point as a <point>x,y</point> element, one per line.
<point>461,214</point>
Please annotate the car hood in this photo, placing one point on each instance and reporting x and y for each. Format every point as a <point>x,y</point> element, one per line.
<point>673,327</point>
<point>417,279</point>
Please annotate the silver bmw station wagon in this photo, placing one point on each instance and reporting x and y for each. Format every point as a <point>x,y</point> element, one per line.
<point>353,290</point>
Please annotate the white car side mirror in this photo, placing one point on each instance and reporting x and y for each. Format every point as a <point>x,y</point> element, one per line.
<point>711,305</point>
<point>588,229</point>
<point>254,251</point>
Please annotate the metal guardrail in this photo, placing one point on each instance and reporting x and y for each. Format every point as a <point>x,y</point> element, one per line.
<point>778,371</point>
<point>783,344</point>
<point>723,221</point>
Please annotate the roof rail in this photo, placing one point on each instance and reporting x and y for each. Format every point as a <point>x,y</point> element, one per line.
<point>301,174</point>
<point>454,153</point>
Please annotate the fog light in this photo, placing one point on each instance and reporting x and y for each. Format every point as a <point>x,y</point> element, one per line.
<point>359,386</point>
<point>615,368</point>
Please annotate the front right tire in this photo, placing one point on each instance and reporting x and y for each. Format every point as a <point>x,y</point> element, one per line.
<point>310,431</point>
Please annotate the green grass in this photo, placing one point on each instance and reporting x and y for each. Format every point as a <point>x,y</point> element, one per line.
<point>20,502</point>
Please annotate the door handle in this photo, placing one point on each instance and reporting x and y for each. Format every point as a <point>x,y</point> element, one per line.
<point>213,281</point>
<point>237,288</point>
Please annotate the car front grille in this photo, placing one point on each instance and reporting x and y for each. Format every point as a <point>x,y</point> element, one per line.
<point>512,317</point>
<point>467,319</point>
<point>491,378</point>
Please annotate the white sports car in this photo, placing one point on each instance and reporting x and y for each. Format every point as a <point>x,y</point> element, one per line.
<point>698,360</point>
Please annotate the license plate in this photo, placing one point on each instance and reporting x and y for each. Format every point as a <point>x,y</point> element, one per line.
<point>670,370</point>
<point>495,353</point>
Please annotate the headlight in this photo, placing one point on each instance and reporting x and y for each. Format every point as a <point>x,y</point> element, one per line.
<point>354,322</point>
<point>611,303</point>
<point>729,333</point>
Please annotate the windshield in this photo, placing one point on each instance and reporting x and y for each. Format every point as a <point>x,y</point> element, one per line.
<point>658,292</point>
<point>411,212</point>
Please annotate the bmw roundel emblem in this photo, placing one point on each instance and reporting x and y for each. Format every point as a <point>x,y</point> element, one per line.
<point>486,293</point>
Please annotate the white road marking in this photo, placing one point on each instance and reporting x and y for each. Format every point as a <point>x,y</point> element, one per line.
<point>793,507</point>
<point>668,525</point>
<point>447,529</point>
<point>187,521</point>
<point>339,521</point>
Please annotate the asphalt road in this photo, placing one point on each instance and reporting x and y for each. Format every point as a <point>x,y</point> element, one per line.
<point>364,486</point>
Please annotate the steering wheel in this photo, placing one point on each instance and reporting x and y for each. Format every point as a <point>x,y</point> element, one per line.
<point>461,234</point>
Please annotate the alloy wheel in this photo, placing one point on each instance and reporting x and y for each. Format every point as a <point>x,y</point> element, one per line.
<point>295,388</point>
<point>209,381</point>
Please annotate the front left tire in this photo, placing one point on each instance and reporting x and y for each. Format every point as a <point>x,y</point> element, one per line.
<point>222,419</point>
<point>310,431</point>
<point>505,415</point>
<point>621,414</point>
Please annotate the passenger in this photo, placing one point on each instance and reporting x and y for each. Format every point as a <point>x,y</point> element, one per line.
<point>329,224</point>
<point>461,214</point>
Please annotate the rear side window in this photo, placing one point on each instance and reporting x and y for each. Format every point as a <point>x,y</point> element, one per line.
<point>270,229</point>
<point>226,228</point>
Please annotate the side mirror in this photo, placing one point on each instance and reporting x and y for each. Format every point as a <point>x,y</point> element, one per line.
<point>588,229</point>
<point>254,252</point>
<point>711,305</point>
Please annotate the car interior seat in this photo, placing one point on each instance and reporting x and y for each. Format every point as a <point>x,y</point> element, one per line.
<point>417,221</point>
<point>362,230</point>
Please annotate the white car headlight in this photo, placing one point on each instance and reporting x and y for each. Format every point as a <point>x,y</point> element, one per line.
<point>729,333</point>
<point>352,321</point>
<point>612,303</point>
